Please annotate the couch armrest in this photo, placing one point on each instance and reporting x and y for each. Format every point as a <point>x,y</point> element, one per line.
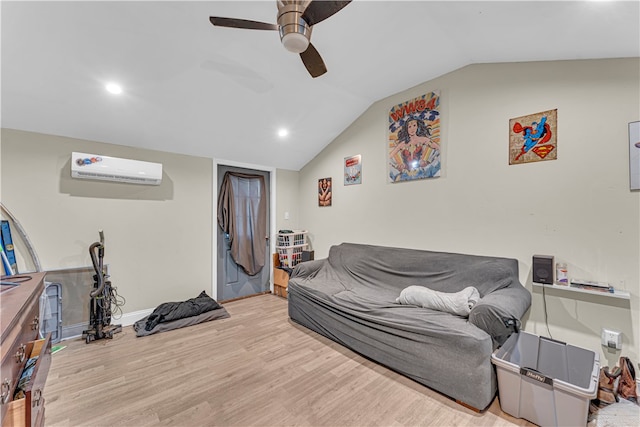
<point>494,312</point>
<point>308,269</point>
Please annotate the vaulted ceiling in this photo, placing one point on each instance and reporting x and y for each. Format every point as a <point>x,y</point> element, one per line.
<point>192,88</point>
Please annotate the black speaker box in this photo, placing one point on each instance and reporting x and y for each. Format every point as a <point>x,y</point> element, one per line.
<point>543,269</point>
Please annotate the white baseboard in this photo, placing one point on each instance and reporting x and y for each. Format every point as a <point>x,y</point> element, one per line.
<point>129,319</point>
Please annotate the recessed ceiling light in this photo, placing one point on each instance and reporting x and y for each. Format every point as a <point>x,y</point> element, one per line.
<point>283,132</point>
<point>114,88</point>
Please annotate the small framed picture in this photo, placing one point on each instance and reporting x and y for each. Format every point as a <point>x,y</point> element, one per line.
<point>324,192</point>
<point>533,138</point>
<point>353,170</point>
<point>634,155</point>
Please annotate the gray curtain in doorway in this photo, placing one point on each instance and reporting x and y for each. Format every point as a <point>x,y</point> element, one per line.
<point>242,213</point>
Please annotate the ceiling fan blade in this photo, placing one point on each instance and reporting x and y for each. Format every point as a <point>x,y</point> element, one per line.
<point>318,11</point>
<point>313,61</point>
<point>241,23</point>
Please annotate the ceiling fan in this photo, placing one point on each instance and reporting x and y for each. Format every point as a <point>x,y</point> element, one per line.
<point>295,21</point>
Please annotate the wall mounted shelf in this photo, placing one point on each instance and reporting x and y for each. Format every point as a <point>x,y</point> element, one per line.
<point>616,294</point>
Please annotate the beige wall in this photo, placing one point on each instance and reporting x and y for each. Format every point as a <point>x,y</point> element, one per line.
<point>578,208</point>
<point>287,199</point>
<point>157,238</point>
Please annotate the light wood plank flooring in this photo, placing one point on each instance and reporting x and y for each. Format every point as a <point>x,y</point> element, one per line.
<point>256,368</point>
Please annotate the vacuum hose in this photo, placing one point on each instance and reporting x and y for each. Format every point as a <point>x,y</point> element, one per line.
<point>97,266</point>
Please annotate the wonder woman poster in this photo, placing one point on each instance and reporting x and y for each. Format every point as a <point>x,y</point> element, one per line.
<point>414,139</point>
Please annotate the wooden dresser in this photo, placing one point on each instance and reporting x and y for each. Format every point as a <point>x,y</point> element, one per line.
<point>19,311</point>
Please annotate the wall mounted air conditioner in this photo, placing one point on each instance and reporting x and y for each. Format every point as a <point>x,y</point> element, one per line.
<point>105,168</point>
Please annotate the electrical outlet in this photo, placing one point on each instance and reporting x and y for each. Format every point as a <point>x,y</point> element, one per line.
<point>611,339</point>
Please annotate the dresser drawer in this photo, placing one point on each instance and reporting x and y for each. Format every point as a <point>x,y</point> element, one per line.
<point>16,351</point>
<point>29,410</point>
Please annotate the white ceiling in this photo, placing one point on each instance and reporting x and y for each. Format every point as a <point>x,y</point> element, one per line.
<point>193,88</point>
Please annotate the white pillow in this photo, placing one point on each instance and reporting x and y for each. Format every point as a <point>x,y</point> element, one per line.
<point>459,303</point>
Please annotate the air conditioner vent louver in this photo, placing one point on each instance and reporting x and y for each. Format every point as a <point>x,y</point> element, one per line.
<point>105,168</point>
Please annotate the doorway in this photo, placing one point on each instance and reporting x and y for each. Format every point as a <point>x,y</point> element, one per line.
<point>232,281</point>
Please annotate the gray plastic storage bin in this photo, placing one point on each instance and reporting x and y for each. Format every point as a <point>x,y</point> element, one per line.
<point>51,311</point>
<point>547,382</point>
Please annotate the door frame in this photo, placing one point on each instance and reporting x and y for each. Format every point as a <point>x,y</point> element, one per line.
<point>214,217</point>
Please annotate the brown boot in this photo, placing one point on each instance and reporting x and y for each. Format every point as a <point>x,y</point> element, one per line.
<point>627,383</point>
<point>606,394</point>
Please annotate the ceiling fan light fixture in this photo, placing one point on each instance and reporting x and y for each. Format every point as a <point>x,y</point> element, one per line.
<point>295,22</point>
<point>295,42</point>
<point>294,31</point>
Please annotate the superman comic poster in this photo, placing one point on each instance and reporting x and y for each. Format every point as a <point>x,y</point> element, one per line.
<point>414,139</point>
<point>532,138</point>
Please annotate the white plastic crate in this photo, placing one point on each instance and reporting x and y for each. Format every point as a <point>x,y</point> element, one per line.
<point>296,238</point>
<point>290,256</point>
<point>547,382</point>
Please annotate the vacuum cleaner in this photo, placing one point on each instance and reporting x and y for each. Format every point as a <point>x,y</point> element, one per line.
<point>102,296</point>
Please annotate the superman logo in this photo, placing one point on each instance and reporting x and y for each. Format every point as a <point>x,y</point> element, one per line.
<point>542,150</point>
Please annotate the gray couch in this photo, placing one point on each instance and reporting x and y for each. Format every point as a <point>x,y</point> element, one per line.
<point>350,296</point>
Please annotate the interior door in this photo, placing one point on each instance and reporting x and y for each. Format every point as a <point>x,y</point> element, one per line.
<point>233,281</point>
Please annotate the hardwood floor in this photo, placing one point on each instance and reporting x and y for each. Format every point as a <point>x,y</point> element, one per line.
<point>256,368</point>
